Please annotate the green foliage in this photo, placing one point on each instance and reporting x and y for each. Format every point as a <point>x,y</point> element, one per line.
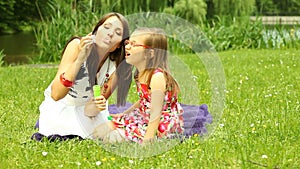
<point>274,7</point>
<point>232,8</point>
<point>52,34</point>
<point>191,10</point>
<point>241,33</point>
<point>266,7</point>
<point>281,37</point>
<point>127,7</point>
<point>2,55</point>
<point>69,19</point>
<point>19,13</point>
<point>7,21</point>
<point>259,125</point>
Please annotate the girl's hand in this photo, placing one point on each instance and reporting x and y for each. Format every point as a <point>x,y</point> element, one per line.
<point>85,47</point>
<point>100,102</point>
<point>117,115</point>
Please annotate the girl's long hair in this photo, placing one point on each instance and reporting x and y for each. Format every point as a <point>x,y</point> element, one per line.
<point>157,40</point>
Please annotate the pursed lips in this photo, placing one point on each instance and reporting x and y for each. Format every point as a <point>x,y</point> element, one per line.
<point>107,40</point>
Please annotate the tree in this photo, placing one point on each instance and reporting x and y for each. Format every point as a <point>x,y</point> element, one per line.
<point>7,16</point>
<point>18,13</point>
<point>191,10</point>
<point>231,8</point>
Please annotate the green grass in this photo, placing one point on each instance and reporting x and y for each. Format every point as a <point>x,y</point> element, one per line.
<point>260,119</point>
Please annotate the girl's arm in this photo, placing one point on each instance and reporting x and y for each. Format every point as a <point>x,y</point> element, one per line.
<point>158,87</point>
<point>75,54</point>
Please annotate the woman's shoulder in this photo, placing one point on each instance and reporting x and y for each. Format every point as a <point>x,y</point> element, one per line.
<point>74,41</point>
<point>71,45</point>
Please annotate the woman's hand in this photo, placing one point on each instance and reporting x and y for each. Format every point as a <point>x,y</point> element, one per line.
<point>85,47</point>
<point>100,102</point>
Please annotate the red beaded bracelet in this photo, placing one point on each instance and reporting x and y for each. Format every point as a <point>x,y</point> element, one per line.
<point>67,83</point>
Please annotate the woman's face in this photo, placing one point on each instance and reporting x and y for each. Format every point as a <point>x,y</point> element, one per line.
<point>109,34</point>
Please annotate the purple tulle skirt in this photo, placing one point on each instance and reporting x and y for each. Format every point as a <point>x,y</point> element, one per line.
<point>195,119</point>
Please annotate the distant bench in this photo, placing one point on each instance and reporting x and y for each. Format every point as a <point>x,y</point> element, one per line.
<point>281,20</point>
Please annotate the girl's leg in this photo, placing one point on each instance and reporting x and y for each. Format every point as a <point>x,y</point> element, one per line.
<point>103,129</point>
<point>115,136</point>
<point>108,133</point>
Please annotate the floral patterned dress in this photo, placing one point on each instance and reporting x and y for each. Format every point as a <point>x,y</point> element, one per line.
<point>136,122</point>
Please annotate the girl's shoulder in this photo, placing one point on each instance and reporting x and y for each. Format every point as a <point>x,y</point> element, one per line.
<point>158,74</point>
<point>158,80</point>
<point>158,70</point>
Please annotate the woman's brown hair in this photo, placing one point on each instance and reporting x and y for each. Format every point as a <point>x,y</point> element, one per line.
<point>123,71</point>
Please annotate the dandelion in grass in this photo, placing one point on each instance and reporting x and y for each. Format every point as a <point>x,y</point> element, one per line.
<point>112,158</point>
<point>44,153</point>
<point>253,130</point>
<point>98,163</point>
<point>130,161</point>
<point>104,159</point>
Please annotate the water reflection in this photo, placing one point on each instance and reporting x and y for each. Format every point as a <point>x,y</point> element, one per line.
<point>18,48</point>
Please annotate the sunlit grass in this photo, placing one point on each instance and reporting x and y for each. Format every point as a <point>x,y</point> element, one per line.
<point>259,127</point>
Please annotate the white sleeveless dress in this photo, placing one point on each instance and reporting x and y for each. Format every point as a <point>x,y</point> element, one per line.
<point>66,116</point>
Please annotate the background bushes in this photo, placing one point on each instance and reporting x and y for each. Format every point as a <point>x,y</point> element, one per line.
<point>226,23</point>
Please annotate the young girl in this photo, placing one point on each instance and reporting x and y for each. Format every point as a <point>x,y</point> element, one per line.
<point>157,114</point>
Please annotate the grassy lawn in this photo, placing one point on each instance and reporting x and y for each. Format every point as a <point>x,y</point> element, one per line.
<point>259,127</point>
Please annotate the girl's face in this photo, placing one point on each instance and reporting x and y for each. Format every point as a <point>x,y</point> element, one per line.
<point>109,34</point>
<point>135,51</point>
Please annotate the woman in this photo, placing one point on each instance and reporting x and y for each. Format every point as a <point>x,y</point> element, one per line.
<point>69,109</point>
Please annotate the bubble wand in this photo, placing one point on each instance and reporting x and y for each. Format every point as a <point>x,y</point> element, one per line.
<point>97,93</point>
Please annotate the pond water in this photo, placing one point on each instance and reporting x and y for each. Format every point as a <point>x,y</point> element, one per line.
<point>18,48</point>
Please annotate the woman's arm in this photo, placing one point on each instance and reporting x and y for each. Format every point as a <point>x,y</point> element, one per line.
<point>75,54</point>
<point>158,86</point>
